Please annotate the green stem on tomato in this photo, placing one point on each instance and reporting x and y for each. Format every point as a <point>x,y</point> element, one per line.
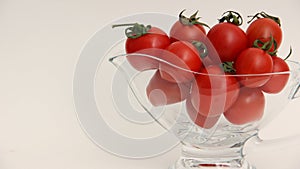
<point>201,47</point>
<point>264,15</point>
<point>135,30</point>
<point>192,20</point>
<point>125,24</point>
<point>266,46</point>
<point>228,67</point>
<point>290,53</point>
<point>232,17</point>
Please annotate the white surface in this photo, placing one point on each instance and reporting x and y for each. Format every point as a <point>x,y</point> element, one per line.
<point>40,42</point>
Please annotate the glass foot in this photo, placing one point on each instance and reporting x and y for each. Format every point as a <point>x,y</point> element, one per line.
<point>193,164</point>
<point>223,157</point>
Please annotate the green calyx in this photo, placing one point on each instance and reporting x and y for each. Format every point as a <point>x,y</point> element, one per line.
<point>264,15</point>
<point>134,30</point>
<point>192,20</point>
<point>266,46</point>
<point>201,47</point>
<point>232,17</point>
<point>228,67</point>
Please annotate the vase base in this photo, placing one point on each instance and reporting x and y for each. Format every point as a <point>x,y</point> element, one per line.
<point>192,164</point>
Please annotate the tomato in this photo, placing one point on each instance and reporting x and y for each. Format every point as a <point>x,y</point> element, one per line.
<point>187,29</point>
<point>162,92</point>
<point>228,40</point>
<point>197,118</point>
<point>188,33</point>
<point>182,58</point>
<point>154,38</point>
<point>253,61</point>
<point>144,40</point>
<point>263,29</point>
<point>214,91</point>
<point>248,107</point>
<point>277,81</point>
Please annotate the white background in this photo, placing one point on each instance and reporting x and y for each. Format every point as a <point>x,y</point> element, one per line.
<point>40,42</point>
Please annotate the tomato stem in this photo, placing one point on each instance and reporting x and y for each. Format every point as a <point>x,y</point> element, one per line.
<point>126,24</point>
<point>201,47</point>
<point>264,15</point>
<point>228,67</point>
<point>232,17</point>
<point>192,20</point>
<point>134,30</point>
<point>266,46</point>
<point>290,53</point>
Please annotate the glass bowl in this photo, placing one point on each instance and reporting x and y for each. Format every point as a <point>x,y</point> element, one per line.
<point>213,122</point>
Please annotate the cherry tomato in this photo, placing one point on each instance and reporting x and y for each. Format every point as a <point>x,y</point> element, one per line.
<point>248,107</point>
<point>253,61</point>
<point>197,118</point>
<point>144,40</point>
<point>228,40</point>
<point>162,92</point>
<point>154,38</point>
<point>187,29</point>
<point>263,29</point>
<point>277,81</point>
<point>182,58</point>
<point>214,91</point>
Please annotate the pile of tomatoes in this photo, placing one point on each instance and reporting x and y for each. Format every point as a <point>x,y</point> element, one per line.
<point>222,71</point>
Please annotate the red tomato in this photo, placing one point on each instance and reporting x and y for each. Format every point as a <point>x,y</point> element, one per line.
<point>188,33</point>
<point>278,81</point>
<point>145,59</point>
<point>182,58</point>
<point>253,61</point>
<point>228,39</point>
<point>161,92</point>
<point>263,29</point>
<point>150,42</point>
<point>197,118</point>
<point>187,29</point>
<point>154,38</point>
<point>214,91</point>
<point>248,107</point>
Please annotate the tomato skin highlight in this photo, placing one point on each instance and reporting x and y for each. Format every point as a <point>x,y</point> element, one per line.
<point>152,44</point>
<point>214,91</point>
<point>228,39</point>
<point>277,81</point>
<point>162,92</point>
<point>253,61</point>
<point>183,55</point>
<point>249,107</point>
<point>263,29</point>
<point>197,118</point>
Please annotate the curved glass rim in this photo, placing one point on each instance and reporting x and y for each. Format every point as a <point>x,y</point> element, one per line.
<point>207,74</point>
